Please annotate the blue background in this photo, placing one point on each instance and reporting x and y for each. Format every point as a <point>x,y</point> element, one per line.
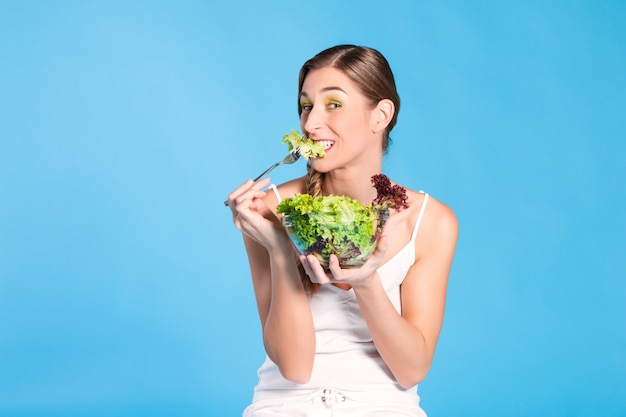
<point>124,287</point>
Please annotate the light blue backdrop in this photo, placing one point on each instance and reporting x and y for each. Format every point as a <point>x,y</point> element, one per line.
<point>124,288</point>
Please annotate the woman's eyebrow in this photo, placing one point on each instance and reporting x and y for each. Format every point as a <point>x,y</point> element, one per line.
<point>325,90</point>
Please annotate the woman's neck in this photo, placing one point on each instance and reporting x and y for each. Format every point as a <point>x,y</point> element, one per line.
<point>356,184</point>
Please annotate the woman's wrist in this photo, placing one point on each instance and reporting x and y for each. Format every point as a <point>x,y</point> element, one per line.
<point>368,285</point>
<point>280,245</point>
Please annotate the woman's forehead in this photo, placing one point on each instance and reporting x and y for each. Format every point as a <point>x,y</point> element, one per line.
<point>326,79</point>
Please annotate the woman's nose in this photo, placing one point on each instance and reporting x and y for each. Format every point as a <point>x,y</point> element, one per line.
<point>313,121</point>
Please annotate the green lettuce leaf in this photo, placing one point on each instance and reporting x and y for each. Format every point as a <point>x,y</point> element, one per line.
<point>307,147</point>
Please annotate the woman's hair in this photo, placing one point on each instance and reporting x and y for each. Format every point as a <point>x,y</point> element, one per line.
<point>370,72</point>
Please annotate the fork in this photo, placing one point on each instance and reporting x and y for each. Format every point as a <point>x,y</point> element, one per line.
<point>289,159</point>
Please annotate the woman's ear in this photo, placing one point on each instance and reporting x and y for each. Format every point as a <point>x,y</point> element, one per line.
<point>382,115</point>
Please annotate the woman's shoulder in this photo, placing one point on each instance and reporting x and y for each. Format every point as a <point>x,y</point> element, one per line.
<point>436,215</point>
<point>294,186</point>
<point>438,219</point>
<point>436,206</point>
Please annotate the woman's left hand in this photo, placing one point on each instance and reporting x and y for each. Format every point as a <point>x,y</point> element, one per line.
<point>337,275</point>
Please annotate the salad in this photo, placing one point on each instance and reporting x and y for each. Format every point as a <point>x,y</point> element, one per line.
<point>340,225</point>
<point>307,147</point>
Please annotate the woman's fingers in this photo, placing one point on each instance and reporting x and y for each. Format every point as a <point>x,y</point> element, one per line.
<point>336,274</point>
<point>314,269</point>
<point>245,196</point>
<point>246,205</point>
<point>305,265</point>
<point>239,193</point>
<point>356,275</point>
<point>334,267</point>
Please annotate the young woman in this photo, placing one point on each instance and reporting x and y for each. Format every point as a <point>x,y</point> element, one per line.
<point>347,342</point>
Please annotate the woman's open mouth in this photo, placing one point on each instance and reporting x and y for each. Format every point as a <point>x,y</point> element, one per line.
<point>326,144</point>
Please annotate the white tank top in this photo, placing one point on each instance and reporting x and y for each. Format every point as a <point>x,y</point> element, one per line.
<point>346,358</point>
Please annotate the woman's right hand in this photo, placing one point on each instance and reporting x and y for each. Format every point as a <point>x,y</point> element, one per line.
<point>252,216</point>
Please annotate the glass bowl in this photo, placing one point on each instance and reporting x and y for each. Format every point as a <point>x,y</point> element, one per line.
<point>351,235</point>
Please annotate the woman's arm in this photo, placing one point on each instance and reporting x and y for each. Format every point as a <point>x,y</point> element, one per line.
<point>286,319</point>
<point>407,342</point>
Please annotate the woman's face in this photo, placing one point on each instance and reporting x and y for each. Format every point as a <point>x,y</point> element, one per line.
<point>338,116</point>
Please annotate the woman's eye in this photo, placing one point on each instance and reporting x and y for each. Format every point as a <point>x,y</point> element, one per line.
<point>306,106</point>
<point>334,105</point>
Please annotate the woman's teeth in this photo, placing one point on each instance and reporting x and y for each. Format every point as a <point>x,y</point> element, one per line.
<point>326,144</point>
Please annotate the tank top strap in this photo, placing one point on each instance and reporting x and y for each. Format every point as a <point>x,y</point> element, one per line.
<point>419,216</point>
<point>275,189</point>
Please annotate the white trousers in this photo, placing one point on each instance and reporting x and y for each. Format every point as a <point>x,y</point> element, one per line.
<point>328,403</point>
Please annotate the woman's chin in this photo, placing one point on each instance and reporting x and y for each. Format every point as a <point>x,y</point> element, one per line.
<point>320,165</point>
